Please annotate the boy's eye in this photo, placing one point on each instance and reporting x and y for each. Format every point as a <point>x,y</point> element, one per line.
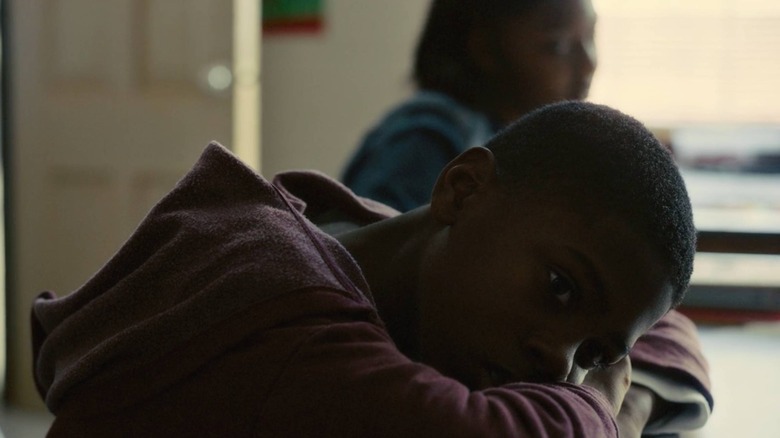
<point>565,46</point>
<point>561,287</point>
<point>559,47</point>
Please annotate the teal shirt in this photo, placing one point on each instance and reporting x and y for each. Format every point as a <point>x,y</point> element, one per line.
<point>398,161</point>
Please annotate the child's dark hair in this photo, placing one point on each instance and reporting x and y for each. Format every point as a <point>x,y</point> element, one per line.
<point>442,61</point>
<point>601,158</point>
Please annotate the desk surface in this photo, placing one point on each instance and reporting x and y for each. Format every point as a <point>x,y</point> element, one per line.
<point>745,371</point>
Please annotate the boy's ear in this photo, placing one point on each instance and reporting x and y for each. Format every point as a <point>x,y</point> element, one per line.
<point>469,173</point>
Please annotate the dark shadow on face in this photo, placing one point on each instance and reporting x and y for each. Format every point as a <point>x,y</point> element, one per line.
<point>535,291</point>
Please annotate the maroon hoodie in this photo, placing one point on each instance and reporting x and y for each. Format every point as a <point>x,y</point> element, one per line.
<point>227,313</point>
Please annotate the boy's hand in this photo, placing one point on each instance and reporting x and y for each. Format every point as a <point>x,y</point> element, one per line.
<point>613,382</point>
<point>635,412</point>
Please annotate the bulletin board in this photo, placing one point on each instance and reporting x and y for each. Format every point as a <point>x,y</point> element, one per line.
<point>293,16</point>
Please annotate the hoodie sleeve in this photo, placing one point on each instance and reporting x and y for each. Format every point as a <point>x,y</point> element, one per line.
<point>350,380</point>
<point>669,361</point>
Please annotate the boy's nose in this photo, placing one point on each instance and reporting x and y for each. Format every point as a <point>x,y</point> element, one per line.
<point>587,61</point>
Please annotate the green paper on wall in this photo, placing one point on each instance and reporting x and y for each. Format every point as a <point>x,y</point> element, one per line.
<point>293,16</point>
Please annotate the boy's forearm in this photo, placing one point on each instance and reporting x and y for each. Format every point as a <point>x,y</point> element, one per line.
<point>672,348</point>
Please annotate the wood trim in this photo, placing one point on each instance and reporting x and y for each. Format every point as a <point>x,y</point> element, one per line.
<point>738,242</point>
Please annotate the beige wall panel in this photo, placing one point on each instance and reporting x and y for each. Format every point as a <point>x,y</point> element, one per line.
<point>82,214</point>
<point>180,40</point>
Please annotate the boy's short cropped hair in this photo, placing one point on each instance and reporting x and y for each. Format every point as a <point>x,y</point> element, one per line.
<point>601,159</point>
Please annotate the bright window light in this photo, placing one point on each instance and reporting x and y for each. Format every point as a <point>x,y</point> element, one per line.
<point>670,62</point>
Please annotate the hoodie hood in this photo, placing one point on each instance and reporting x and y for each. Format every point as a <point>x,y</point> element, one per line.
<point>222,243</point>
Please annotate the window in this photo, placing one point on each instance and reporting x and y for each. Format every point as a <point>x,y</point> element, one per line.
<point>694,61</point>
<point>703,74</point>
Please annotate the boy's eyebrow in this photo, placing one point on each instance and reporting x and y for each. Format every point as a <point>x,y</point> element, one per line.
<point>595,281</point>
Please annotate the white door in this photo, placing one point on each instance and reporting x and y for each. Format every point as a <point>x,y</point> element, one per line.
<point>112,102</point>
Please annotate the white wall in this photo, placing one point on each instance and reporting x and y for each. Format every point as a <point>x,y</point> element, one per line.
<point>322,92</point>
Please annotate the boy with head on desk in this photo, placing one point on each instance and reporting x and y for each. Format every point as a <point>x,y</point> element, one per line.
<point>505,307</point>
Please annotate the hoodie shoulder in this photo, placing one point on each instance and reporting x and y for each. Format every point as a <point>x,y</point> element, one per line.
<point>223,240</point>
